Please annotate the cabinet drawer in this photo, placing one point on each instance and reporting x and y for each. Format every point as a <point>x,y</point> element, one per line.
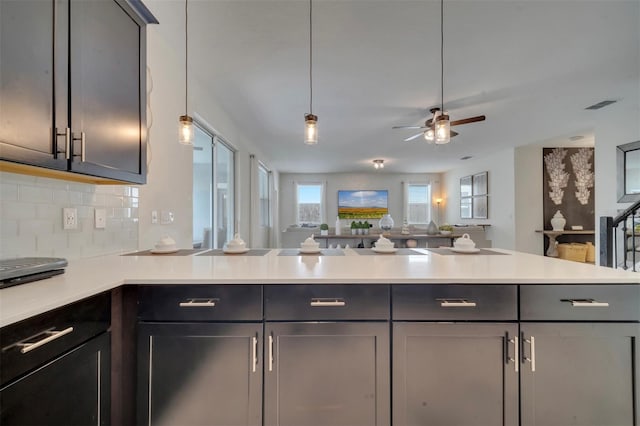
<point>200,303</point>
<point>326,302</point>
<point>450,302</point>
<point>33,342</point>
<point>609,302</point>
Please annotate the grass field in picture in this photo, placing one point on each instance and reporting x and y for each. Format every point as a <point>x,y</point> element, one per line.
<point>361,212</point>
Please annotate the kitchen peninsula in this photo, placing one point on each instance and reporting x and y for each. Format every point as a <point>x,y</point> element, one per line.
<point>248,328</point>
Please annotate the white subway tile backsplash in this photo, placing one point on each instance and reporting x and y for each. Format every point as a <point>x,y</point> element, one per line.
<point>35,194</point>
<point>35,227</point>
<point>31,217</point>
<point>8,228</point>
<point>18,247</point>
<point>8,191</point>
<point>18,210</point>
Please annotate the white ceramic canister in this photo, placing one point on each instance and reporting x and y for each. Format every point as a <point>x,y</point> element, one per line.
<point>558,221</point>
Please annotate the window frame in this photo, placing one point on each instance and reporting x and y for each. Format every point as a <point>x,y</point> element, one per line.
<point>323,203</point>
<point>428,203</point>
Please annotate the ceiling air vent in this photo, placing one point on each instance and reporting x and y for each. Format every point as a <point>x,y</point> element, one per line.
<point>600,105</point>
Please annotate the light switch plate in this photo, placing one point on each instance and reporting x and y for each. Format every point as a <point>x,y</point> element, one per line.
<point>100,216</point>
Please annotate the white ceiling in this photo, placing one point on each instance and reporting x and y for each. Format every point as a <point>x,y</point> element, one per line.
<point>530,66</point>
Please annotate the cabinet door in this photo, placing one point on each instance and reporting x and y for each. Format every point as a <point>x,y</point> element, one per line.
<point>319,374</point>
<point>106,81</point>
<point>73,389</point>
<point>455,374</point>
<point>199,374</point>
<point>33,82</point>
<point>580,374</point>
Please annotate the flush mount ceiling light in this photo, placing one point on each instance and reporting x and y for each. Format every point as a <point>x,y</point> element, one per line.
<point>378,164</point>
<point>185,132</point>
<point>310,120</point>
<point>438,128</point>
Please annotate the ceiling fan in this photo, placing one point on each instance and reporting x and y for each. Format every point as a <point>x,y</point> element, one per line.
<point>429,128</point>
<point>438,128</point>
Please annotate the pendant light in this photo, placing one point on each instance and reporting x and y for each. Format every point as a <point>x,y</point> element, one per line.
<point>310,120</point>
<point>442,126</point>
<point>186,131</point>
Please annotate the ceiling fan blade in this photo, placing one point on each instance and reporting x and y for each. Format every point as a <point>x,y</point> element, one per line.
<point>453,134</point>
<point>408,127</point>
<point>410,138</point>
<point>468,120</point>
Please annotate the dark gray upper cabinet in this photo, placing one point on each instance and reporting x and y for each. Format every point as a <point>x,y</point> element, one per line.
<point>75,100</point>
<point>33,81</point>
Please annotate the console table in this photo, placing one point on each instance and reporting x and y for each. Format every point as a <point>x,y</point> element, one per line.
<point>398,237</point>
<point>552,251</point>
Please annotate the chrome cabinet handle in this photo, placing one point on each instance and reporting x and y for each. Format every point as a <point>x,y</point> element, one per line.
<point>456,303</point>
<point>67,143</point>
<point>327,302</point>
<point>586,303</point>
<point>532,344</point>
<point>199,303</point>
<point>83,145</point>
<point>51,336</point>
<point>255,354</point>
<point>516,353</point>
<point>270,352</point>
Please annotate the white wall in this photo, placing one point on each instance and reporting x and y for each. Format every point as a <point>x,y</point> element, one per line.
<point>336,181</point>
<point>617,125</point>
<point>501,187</point>
<point>169,181</point>
<point>528,198</point>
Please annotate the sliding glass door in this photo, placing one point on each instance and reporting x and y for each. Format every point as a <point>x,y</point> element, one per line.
<point>213,190</point>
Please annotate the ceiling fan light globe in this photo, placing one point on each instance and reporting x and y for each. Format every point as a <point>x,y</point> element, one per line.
<point>429,135</point>
<point>443,130</point>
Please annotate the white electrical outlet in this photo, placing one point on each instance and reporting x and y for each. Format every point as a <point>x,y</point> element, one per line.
<point>154,216</point>
<point>100,218</point>
<point>166,217</point>
<point>69,218</point>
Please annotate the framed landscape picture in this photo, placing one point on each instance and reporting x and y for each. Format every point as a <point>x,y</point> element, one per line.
<point>362,204</point>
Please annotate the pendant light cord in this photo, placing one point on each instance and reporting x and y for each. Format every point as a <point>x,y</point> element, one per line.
<point>186,56</point>
<point>310,57</point>
<point>442,56</point>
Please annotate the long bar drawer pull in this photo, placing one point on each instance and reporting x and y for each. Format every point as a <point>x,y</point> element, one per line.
<point>270,352</point>
<point>586,303</point>
<point>516,355</point>
<point>52,335</point>
<point>456,303</point>
<point>327,302</point>
<point>199,303</point>
<point>254,355</point>
<point>532,344</point>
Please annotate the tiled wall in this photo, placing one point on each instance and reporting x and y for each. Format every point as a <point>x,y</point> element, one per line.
<point>31,217</point>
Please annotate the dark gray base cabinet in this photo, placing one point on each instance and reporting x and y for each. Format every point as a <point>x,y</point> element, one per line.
<point>580,374</point>
<point>72,389</point>
<point>454,374</point>
<point>333,373</point>
<point>200,374</point>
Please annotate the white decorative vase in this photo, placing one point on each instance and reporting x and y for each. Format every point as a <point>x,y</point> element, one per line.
<point>558,221</point>
<point>432,228</point>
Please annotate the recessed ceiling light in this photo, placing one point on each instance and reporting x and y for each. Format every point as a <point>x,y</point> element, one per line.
<point>466,157</point>
<point>600,105</point>
<point>576,138</point>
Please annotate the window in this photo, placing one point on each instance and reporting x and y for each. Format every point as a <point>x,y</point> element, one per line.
<point>418,203</point>
<point>309,204</point>
<point>263,194</point>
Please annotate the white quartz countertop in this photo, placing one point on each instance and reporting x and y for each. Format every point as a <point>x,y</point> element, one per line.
<point>89,276</point>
